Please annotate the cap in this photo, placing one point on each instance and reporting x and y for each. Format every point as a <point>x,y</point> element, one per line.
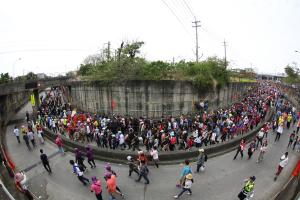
<point>94,178</point>
<point>189,176</point>
<point>19,177</point>
<point>129,158</point>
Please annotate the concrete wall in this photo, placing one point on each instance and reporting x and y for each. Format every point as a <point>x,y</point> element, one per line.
<point>150,98</point>
<point>11,103</point>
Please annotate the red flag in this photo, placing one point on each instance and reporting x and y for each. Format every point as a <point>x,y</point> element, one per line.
<point>113,104</point>
<point>297,169</point>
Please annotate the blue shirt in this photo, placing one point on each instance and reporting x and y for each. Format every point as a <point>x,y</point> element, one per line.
<point>186,170</point>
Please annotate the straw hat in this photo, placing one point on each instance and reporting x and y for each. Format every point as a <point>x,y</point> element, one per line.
<point>201,150</point>
<point>189,176</point>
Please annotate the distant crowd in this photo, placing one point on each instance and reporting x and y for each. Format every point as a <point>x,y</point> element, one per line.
<point>167,134</point>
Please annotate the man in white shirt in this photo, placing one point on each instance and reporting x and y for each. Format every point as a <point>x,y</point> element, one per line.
<point>17,134</point>
<point>279,132</point>
<point>122,140</point>
<point>283,162</point>
<point>154,154</point>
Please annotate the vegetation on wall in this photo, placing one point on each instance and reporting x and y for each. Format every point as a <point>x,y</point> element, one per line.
<point>292,74</point>
<point>126,64</point>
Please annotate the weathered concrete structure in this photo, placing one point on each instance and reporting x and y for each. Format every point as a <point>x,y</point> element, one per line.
<point>150,98</point>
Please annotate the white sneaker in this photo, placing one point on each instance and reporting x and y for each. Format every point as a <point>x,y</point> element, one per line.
<point>189,193</point>
<point>176,197</point>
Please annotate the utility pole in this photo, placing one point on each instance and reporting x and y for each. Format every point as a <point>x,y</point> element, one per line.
<point>225,45</point>
<point>108,50</point>
<point>197,25</point>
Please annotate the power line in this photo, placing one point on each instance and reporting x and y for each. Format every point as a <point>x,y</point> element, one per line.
<point>178,19</point>
<point>184,10</point>
<point>40,50</point>
<point>187,5</point>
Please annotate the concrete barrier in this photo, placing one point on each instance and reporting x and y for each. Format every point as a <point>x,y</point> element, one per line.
<point>171,157</point>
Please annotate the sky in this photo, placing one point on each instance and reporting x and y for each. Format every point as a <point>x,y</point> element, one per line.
<point>55,36</point>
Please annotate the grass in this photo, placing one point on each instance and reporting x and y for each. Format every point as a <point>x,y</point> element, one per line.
<point>243,80</point>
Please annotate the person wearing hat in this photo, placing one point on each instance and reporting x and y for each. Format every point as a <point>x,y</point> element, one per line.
<point>188,181</point>
<point>20,180</point>
<point>112,187</point>
<point>200,159</point>
<point>96,187</point>
<point>247,189</point>
<point>109,170</point>
<point>79,173</point>
<point>260,137</point>
<point>132,166</point>
<point>283,162</point>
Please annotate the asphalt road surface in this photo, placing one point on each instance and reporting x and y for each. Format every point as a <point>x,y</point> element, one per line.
<point>221,180</point>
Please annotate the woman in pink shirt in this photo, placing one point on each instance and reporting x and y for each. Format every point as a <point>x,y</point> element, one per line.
<point>97,188</point>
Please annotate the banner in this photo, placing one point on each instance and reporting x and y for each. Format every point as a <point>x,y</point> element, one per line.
<point>32,99</point>
<point>297,169</point>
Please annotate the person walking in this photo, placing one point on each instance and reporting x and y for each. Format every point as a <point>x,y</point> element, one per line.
<point>132,166</point>
<point>248,188</point>
<point>279,132</point>
<point>185,171</point>
<point>90,156</point>
<point>188,181</point>
<point>17,134</point>
<point>143,172</point>
<point>79,173</point>
<point>200,160</point>
<point>108,170</point>
<point>96,187</point>
<point>45,161</point>
<point>291,139</point>
<point>79,158</point>
<point>26,140</point>
<point>31,138</point>
<point>240,149</point>
<point>283,162</point>
<point>154,154</point>
<point>260,137</point>
<point>295,142</point>
<point>21,182</point>
<point>262,152</point>
<point>111,182</point>
<point>59,143</point>
<point>251,149</point>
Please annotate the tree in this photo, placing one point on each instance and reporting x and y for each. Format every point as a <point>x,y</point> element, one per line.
<point>292,73</point>
<point>4,78</point>
<point>31,76</point>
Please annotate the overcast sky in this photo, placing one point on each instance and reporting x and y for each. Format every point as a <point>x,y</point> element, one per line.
<point>55,36</point>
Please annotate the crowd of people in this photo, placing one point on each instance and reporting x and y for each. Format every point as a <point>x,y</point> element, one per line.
<point>166,134</point>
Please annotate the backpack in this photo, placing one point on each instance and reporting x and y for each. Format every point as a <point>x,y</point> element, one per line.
<point>205,157</point>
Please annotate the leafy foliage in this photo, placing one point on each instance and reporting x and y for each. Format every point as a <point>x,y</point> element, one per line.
<point>125,64</point>
<point>5,77</point>
<point>292,74</point>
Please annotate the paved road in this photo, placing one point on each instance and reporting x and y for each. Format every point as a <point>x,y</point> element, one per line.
<point>222,179</point>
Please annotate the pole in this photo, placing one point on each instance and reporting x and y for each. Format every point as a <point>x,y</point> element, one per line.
<point>14,66</point>
<point>225,58</point>
<point>6,191</point>
<point>196,26</point>
<point>108,50</point>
